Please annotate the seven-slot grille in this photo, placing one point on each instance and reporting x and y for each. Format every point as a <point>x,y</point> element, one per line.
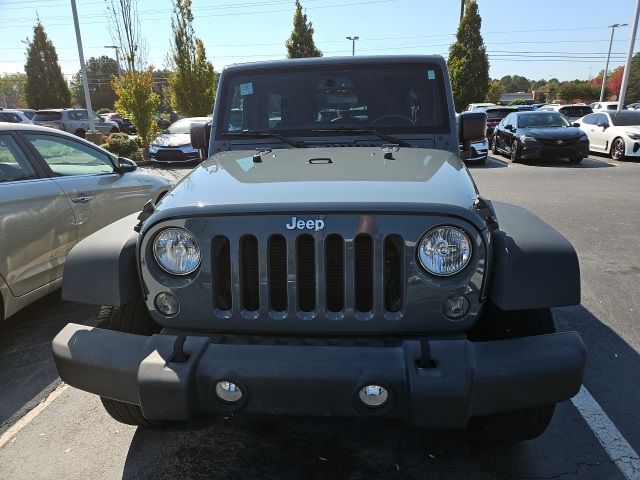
<point>307,276</point>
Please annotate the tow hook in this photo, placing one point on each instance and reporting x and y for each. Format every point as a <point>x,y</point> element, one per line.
<point>425,360</point>
<point>179,355</point>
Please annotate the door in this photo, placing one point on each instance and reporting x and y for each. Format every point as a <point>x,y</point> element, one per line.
<point>37,225</point>
<point>599,134</point>
<point>98,195</point>
<point>507,134</point>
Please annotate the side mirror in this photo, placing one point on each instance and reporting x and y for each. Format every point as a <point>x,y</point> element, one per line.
<point>200,136</point>
<point>125,165</point>
<point>509,127</point>
<point>471,126</point>
<point>575,124</point>
<point>604,125</point>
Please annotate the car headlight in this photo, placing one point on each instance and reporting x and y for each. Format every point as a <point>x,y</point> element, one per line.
<point>633,135</point>
<point>525,138</point>
<point>177,251</point>
<point>444,251</point>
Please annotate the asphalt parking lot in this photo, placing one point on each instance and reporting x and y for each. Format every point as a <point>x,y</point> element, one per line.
<point>53,431</point>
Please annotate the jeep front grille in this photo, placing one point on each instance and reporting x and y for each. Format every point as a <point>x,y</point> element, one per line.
<point>307,277</point>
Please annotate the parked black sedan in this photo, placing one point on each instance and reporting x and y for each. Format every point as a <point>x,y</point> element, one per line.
<point>533,135</point>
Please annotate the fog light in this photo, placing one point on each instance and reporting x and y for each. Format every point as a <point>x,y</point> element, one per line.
<point>228,392</point>
<point>455,306</point>
<point>373,395</point>
<point>167,304</point>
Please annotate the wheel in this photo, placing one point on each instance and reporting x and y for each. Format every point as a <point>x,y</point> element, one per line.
<point>115,130</point>
<point>494,146</point>
<point>617,149</point>
<point>575,160</point>
<point>132,317</point>
<point>515,152</point>
<point>526,423</point>
<point>80,133</point>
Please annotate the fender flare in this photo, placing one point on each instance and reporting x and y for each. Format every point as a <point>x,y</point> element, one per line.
<point>101,269</point>
<point>534,266</point>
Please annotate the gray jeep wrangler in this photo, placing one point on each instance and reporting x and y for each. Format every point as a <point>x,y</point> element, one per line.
<point>332,257</point>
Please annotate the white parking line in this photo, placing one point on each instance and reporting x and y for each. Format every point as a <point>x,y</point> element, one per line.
<point>24,421</point>
<point>623,454</point>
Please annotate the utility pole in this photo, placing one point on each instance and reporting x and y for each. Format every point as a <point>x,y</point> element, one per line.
<point>627,66</point>
<point>606,65</point>
<point>87,97</point>
<point>462,5</point>
<point>353,44</point>
<point>117,49</point>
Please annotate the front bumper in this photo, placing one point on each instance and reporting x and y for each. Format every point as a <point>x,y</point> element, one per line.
<point>173,154</point>
<point>468,379</point>
<point>533,150</point>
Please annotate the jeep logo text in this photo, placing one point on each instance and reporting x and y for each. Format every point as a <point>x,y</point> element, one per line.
<point>316,225</point>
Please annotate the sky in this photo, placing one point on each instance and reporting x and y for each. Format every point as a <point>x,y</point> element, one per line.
<point>565,39</point>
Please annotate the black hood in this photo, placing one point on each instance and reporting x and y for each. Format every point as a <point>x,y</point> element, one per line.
<point>559,133</point>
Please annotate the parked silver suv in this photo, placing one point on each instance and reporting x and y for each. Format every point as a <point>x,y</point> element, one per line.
<point>74,121</point>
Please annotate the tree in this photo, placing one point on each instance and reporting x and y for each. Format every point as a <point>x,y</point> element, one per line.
<point>578,91</point>
<point>193,81</point>
<point>515,83</point>
<point>45,86</point>
<point>300,43</point>
<point>12,90</point>
<point>100,73</point>
<point>494,92</point>
<point>138,101</point>
<point>633,87</point>
<point>468,62</point>
<point>124,28</point>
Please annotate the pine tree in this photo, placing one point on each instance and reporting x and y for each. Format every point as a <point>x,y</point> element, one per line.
<point>468,62</point>
<point>300,43</point>
<point>193,81</point>
<point>45,87</point>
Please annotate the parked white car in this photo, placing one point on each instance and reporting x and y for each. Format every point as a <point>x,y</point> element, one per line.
<point>478,106</point>
<point>614,133</point>
<point>13,116</point>
<point>604,105</point>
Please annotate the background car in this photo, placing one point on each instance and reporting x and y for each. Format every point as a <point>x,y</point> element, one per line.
<point>73,120</point>
<point>604,106</point>
<point>570,112</point>
<point>13,116</point>
<point>612,132</point>
<point>494,115</point>
<point>532,135</point>
<point>56,189</point>
<point>124,124</point>
<point>475,106</point>
<point>174,145</point>
<point>634,106</point>
<point>28,112</point>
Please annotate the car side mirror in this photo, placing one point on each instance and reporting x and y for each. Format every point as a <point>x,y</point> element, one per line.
<point>509,127</point>
<point>200,136</point>
<point>604,125</point>
<point>575,124</point>
<point>125,165</point>
<point>471,126</point>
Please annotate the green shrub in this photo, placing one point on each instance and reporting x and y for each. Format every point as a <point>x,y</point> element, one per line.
<point>122,145</point>
<point>103,110</point>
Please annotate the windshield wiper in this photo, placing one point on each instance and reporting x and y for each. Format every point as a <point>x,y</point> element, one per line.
<point>268,133</point>
<point>383,136</point>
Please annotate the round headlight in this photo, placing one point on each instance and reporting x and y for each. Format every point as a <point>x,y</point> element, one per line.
<point>444,251</point>
<point>176,251</point>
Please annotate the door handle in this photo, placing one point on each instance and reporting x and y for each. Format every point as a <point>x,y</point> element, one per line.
<point>86,199</point>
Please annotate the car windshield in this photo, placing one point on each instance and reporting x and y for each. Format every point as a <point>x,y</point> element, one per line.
<point>181,126</point>
<point>625,119</point>
<point>542,120</point>
<point>403,98</point>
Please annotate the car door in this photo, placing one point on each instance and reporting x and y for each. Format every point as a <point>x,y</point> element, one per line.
<point>507,134</point>
<point>98,194</point>
<point>37,225</point>
<point>600,132</point>
<point>588,126</point>
<point>497,132</point>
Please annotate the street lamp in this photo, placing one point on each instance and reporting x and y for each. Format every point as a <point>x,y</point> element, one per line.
<point>606,66</point>
<point>117,49</point>
<point>353,44</point>
<point>91,134</point>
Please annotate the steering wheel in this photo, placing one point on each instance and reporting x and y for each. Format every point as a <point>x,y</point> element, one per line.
<point>404,118</point>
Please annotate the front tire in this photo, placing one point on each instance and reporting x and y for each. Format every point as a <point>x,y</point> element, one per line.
<point>617,149</point>
<point>80,133</point>
<point>515,154</point>
<point>526,423</point>
<point>494,146</point>
<point>132,317</point>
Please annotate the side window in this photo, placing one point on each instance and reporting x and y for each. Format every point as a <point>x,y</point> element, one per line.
<point>72,116</point>
<point>82,115</point>
<point>602,119</point>
<point>14,166</point>
<point>590,119</point>
<point>68,157</point>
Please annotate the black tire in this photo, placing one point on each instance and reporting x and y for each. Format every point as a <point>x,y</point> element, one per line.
<point>515,154</point>
<point>80,133</point>
<point>617,149</point>
<point>517,425</point>
<point>575,160</point>
<point>132,317</point>
<point>494,146</point>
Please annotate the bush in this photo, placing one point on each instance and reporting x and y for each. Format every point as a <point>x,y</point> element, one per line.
<point>122,145</point>
<point>103,110</point>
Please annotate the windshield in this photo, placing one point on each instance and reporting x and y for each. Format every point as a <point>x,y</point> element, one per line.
<point>402,98</point>
<point>542,120</point>
<point>625,119</point>
<point>180,126</point>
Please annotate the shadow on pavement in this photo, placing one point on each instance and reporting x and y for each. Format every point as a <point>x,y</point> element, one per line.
<point>322,448</point>
<point>26,364</point>
<point>564,163</point>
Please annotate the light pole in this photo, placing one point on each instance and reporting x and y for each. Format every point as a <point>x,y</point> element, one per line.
<point>117,49</point>
<point>606,65</point>
<point>353,44</point>
<point>462,4</point>
<point>87,98</point>
<point>627,66</point>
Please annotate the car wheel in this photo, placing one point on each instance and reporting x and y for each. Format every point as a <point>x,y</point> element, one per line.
<point>80,133</point>
<point>132,317</point>
<point>494,146</point>
<point>515,152</point>
<point>575,160</point>
<point>526,423</point>
<point>617,149</point>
